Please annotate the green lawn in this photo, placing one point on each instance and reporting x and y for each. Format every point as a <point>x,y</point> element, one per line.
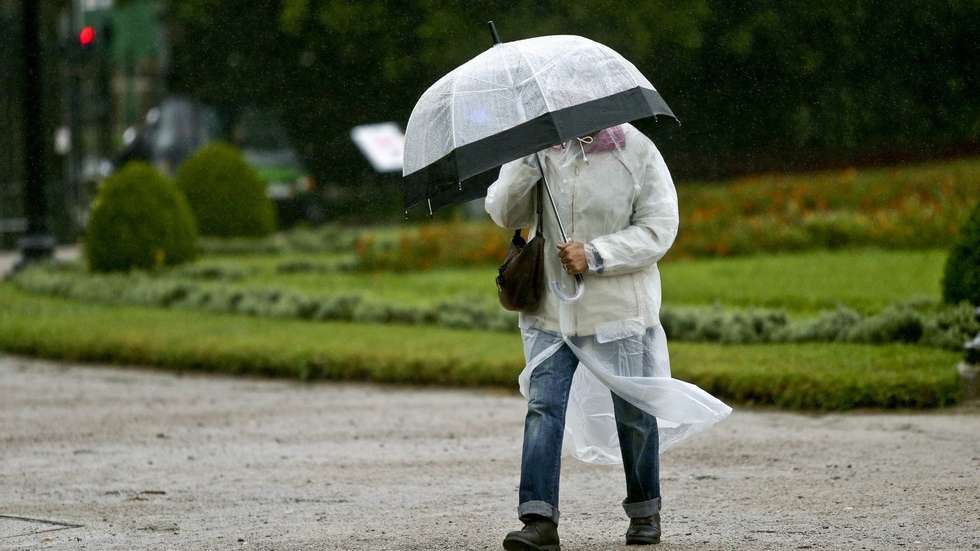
<point>404,287</point>
<point>75,330</point>
<point>865,279</point>
<point>799,376</point>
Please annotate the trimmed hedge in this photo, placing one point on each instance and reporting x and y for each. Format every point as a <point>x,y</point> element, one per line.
<point>892,208</point>
<point>327,238</point>
<point>226,194</point>
<point>961,280</point>
<point>139,220</point>
<point>795,376</point>
<point>188,287</point>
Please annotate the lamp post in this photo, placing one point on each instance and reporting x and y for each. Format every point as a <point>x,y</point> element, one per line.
<point>37,243</point>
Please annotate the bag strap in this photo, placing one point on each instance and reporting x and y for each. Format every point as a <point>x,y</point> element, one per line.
<point>540,203</point>
<point>540,209</point>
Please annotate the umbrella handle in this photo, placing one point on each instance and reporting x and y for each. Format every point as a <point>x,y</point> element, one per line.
<point>579,280</point>
<point>579,290</point>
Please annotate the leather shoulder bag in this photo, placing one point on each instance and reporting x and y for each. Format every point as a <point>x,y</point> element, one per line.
<point>520,279</point>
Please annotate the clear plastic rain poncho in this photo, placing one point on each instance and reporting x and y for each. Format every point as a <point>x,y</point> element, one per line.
<point>614,193</point>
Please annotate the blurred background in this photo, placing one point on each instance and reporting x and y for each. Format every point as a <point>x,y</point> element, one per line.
<point>198,155</point>
<point>765,86</point>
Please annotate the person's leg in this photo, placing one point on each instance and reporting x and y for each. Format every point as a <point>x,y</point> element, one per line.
<point>544,427</point>
<point>639,443</point>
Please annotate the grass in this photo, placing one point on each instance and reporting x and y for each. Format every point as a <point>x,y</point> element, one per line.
<point>73,330</point>
<point>411,288</point>
<point>796,376</point>
<point>822,376</point>
<point>864,279</point>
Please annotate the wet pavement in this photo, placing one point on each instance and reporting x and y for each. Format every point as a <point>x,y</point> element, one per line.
<point>99,457</point>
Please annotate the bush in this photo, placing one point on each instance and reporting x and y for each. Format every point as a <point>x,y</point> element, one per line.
<point>829,326</point>
<point>139,220</point>
<point>797,376</point>
<point>226,194</point>
<point>951,327</point>
<point>891,208</point>
<point>961,280</point>
<point>214,289</point>
<point>331,239</point>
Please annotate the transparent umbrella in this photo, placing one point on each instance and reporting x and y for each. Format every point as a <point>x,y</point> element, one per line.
<point>513,100</point>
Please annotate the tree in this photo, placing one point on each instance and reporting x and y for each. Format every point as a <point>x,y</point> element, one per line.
<point>761,85</point>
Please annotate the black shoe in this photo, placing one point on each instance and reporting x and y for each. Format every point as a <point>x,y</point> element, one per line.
<point>644,531</point>
<point>539,534</point>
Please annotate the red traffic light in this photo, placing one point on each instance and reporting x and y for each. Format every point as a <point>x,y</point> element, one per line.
<point>86,36</point>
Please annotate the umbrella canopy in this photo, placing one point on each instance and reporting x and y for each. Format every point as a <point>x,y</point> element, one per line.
<point>514,100</point>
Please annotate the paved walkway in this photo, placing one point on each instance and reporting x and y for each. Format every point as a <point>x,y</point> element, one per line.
<point>138,459</point>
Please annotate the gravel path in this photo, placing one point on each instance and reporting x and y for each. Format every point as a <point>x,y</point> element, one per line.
<point>150,460</point>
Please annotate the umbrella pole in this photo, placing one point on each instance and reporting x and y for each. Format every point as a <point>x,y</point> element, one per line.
<point>579,280</point>
<point>554,207</point>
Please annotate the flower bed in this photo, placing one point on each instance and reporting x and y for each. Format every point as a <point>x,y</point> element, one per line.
<point>915,207</point>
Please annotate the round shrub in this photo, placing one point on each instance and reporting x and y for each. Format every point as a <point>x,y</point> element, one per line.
<point>139,220</point>
<point>226,194</point>
<point>961,280</point>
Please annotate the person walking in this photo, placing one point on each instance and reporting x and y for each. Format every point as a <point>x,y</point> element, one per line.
<point>617,201</point>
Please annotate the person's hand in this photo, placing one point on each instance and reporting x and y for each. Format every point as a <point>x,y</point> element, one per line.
<point>572,255</point>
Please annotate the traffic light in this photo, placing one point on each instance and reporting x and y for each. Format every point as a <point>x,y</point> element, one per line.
<point>86,36</point>
<point>85,47</point>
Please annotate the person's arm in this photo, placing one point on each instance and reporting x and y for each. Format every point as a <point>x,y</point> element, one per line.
<point>510,201</point>
<point>653,224</point>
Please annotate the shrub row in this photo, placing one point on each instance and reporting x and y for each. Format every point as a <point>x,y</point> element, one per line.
<point>302,239</point>
<point>947,327</point>
<point>943,327</point>
<point>142,219</point>
<point>916,207</point>
<point>825,377</point>
<point>148,289</point>
<point>455,244</point>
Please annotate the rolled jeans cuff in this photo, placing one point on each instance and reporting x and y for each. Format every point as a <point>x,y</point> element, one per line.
<point>642,509</point>
<point>540,508</point>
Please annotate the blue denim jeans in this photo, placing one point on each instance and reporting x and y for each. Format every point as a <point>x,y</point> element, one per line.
<point>544,428</point>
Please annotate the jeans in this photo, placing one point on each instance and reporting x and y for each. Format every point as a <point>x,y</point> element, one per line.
<point>544,428</point>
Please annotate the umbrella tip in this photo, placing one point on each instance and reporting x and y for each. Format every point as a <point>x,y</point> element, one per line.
<point>493,33</point>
